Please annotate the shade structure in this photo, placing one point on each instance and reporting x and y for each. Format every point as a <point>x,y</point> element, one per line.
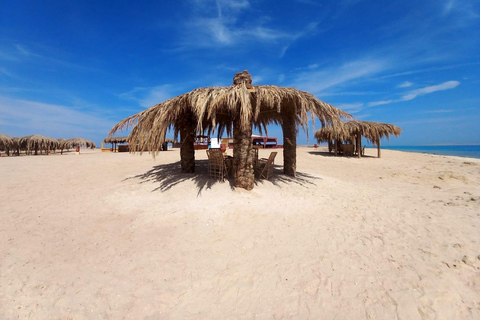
<point>115,140</point>
<point>236,110</point>
<point>78,142</point>
<point>37,142</point>
<point>6,142</point>
<point>355,129</point>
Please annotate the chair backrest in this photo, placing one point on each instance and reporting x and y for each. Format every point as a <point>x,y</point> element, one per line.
<point>267,170</point>
<point>216,164</point>
<point>348,149</point>
<point>216,155</point>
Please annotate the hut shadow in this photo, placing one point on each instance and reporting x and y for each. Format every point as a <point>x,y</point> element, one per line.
<point>328,154</point>
<point>279,178</point>
<point>170,175</point>
<point>322,153</point>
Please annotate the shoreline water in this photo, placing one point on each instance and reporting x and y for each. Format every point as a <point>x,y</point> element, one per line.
<point>464,151</point>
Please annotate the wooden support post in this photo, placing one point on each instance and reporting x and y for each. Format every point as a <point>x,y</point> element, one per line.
<point>359,145</point>
<point>378,148</point>
<point>289,142</point>
<point>187,149</point>
<point>242,155</point>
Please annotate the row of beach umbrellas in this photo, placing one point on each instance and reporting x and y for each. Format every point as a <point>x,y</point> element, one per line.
<point>35,143</point>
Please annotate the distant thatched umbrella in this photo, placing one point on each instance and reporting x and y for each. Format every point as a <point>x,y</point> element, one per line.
<point>6,143</point>
<point>37,142</point>
<point>16,145</point>
<point>114,141</point>
<point>355,129</point>
<point>79,142</point>
<point>235,109</point>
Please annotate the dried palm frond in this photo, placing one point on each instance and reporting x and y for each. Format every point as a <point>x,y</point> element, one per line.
<point>38,142</point>
<point>372,131</point>
<point>115,140</point>
<point>78,142</point>
<point>217,108</point>
<point>6,142</point>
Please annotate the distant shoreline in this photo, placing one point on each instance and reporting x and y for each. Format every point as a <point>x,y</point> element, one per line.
<point>464,150</point>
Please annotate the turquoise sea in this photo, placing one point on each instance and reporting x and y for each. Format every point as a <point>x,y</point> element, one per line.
<point>471,151</point>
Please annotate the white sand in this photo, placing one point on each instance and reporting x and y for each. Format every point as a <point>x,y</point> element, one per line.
<point>121,236</point>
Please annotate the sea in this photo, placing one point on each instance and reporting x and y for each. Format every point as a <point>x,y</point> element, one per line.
<point>470,151</point>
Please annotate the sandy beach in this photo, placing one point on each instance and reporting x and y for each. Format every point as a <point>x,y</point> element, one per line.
<point>123,236</point>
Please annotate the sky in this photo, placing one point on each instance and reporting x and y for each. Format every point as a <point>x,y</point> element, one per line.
<point>76,68</point>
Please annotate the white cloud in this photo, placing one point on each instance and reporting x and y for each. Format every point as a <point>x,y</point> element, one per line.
<point>440,111</point>
<point>440,87</point>
<point>23,117</point>
<point>227,23</point>
<point>149,96</point>
<point>350,107</point>
<point>406,84</point>
<point>378,103</point>
<point>316,81</point>
<point>418,92</point>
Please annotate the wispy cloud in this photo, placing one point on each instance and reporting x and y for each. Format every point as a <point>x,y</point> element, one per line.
<point>439,111</point>
<point>418,92</point>
<point>351,107</point>
<point>228,23</point>
<point>440,87</point>
<point>23,117</point>
<point>379,103</point>
<point>405,84</point>
<point>318,80</point>
<point>149,96</point>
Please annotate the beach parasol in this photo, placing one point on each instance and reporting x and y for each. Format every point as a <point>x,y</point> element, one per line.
<point>6,143</point>
<point>37,142</point>
<point>236,109</point>
<point>355,129</point>
<point>79,142</point>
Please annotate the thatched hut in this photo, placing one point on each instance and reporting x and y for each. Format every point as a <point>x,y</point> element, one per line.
<point>236,109</point>
<point>6,143</point>
<point>79,142</point>
<point>16,145</point>
<point>353,130</point>
<point>37,142</point>
<point>113,141</point>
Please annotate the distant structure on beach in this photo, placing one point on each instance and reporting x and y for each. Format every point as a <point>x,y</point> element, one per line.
<point>346,138</point>
<point>236,110</point>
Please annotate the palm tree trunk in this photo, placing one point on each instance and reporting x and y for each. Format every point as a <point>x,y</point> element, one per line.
<point>359,145</point>
<point>187,150</point>
<point>289,142</point>
<point>242,156</point>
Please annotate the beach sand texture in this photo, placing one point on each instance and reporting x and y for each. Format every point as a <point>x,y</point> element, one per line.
<point>122,236</point>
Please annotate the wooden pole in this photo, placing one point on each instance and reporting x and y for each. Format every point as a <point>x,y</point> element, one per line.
<point>378,148</point>
<point>359,145</point>
<point>289,142</point>
<point>242,155</point>
<point>187,149</point>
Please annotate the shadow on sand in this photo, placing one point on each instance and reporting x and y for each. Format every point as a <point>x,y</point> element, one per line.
<point>328,154</point>
<point>170,175</point>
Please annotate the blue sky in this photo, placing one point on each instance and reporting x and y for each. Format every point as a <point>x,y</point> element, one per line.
<point>76,68</point>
